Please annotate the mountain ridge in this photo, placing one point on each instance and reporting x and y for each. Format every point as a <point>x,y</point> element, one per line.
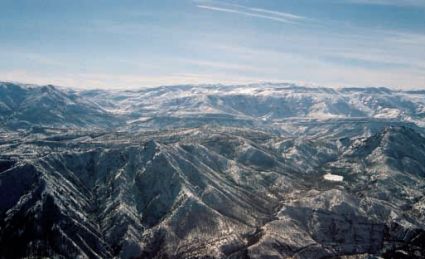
<point>168,106</point>
<point>193,173</point>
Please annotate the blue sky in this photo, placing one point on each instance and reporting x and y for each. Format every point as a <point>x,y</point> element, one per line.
<point>130,44</point>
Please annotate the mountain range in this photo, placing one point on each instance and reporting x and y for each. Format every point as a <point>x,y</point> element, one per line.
<point>212,171</point>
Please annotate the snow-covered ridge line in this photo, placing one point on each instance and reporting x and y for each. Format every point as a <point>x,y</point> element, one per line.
<point>222,86</point>
<point>203,104</point>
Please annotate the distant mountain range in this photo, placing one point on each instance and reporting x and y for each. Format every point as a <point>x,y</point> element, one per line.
<point>253,171</point>
<point>174,106</point>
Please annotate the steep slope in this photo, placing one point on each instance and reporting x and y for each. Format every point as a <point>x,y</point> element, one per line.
<point>118,192</point>
<point>376,206</point>
<point>220,192</point>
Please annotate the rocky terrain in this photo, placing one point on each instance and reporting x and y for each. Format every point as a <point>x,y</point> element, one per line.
<point>255,171</point>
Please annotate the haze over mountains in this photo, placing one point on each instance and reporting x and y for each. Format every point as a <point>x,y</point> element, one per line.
<point>261,103</point>
<point>249,171</point>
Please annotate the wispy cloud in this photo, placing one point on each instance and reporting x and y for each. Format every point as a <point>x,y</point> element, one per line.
<point>120,81</point>
<point>272,15</point>
<point>411,3</point>
<point>277,13</point>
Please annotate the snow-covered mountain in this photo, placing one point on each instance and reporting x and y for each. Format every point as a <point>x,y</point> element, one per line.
<point>25,106</point>
<point>256,171</point>
<point>262,102</point>
<point>187,105</point>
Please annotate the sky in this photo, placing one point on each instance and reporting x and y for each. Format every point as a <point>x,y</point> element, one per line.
<point>141,43</point>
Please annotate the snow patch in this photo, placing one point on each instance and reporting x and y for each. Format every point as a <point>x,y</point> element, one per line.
<point>333,177</point>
